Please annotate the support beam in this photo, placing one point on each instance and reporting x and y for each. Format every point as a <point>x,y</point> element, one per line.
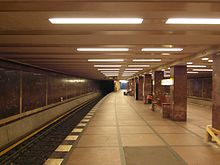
<point>147,85</point>
<point>178,93</point>
<point>140,87</point>
<point>216,92</point>
<point>158,88</point>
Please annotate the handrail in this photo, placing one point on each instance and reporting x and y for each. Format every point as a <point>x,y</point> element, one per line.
<point>211,134</point>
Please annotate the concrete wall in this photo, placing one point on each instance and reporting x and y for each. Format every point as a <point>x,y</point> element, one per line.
<point>15,130</point>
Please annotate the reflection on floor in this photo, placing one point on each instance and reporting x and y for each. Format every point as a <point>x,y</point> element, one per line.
<point>125,131</point>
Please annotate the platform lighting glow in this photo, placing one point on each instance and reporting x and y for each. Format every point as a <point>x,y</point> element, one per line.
<point>102,49</point>
<point>192,72</point>
<point>162,49</point>
<point>139,66</point>
<point>204,21</point>
<point>96,20</point>
<point>205,59</point>
<point>134,69</point>
<point>105,60</point>
<point>165,54</point>
<point>123,81</point>
<point>146,60</point>
<point>109,69</point>
<point>203,70</point>
<point>196,66</point>
<point>210,60</point>
<point>189,63</point>
<point>130,71</point>
<point>108,66</point>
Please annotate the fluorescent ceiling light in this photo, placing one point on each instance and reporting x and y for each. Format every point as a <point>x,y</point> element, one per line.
<point>162,49</point>
<point>148,60</point>
<point>105,60</point>
<point>109,69</point>
<point>110,66</point>
<point>192,72</point>
<point>134,69</point>
<point>189,63</point>
<point>96,20</point>
<point>204,21</point>
<point>138,65</point>
<point>210,60</point>
<point>102,49</point>
<point>123,81</point>
<point>131,71</point>
<point>165,54</point>
<point>203,70</point>
<point>205,59</point>
<point>196,66</point>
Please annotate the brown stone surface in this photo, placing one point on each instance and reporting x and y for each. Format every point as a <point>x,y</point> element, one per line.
<point>216,92</point>
<point>140,87</point>
<point>147,85</point>
<point>158,88</point>
<point>179,93</point>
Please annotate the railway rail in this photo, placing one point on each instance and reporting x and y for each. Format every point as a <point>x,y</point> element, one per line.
<point>35,148</point>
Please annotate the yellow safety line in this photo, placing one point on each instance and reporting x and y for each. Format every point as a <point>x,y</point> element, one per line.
<point>37,131</point>
<point>209,129</point>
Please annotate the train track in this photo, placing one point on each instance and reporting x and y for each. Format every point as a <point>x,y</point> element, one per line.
<point>39,146</point>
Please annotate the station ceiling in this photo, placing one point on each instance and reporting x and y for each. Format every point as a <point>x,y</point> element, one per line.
<point>26,35</point>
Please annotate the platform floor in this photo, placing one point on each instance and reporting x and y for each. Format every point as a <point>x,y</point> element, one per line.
<point>125,131</point>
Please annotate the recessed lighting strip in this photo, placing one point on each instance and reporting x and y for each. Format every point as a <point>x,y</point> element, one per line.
<point>108,69</point>
<point>146,60</point>
<point>108,66</point>
<point>203,70</point>
<point>208,21</point>
<point>134,69</point>
<point>96,20</point>
<point>102,49</point>
<point>138,65</point>
<point>162,49</point>
<point>105,60</point>
<point>196,66</point>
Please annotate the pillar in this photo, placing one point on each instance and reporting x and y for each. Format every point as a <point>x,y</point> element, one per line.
<point>140,87</point>
<point>158,90</point>
<point>136,88</point>
<point>178,92</point>
<point>216,92</point>
<point>147,85</point>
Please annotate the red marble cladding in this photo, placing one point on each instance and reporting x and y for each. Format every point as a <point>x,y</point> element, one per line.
<point>158,88</point>
<point>33,83</point>
<point>216,92</point>
<point>9,92</point>
<point>140,87</point>
<point>178,93</point>
<point>147,84</point>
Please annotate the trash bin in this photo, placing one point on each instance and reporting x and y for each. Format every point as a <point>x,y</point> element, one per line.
<point>149,99</point>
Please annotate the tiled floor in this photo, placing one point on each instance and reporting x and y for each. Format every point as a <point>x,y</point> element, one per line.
<point>122,123</point>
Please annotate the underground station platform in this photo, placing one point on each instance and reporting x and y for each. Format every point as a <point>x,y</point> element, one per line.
<point>114,82</point>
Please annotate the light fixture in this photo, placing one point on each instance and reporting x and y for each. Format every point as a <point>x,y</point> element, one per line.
<point>110,66</point>
<point>189,63</point>
<point>168,46</point>
<point>210,60</point>
<point>134,69</point>
<point>138,65</point>
<point>109,69</point>
<point>165,54</point>
<point>96,20</point>
<point>130,71</point>
<point>105,60</point>
<point>162,49</point>
<point>102,49</point>
<point>203,70</point>
<point>123,81</point>
<point>196,66</point>
<point>204,21</point>
<point>205,59</point>
<point>148,60</point>
<point>192,72</point>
